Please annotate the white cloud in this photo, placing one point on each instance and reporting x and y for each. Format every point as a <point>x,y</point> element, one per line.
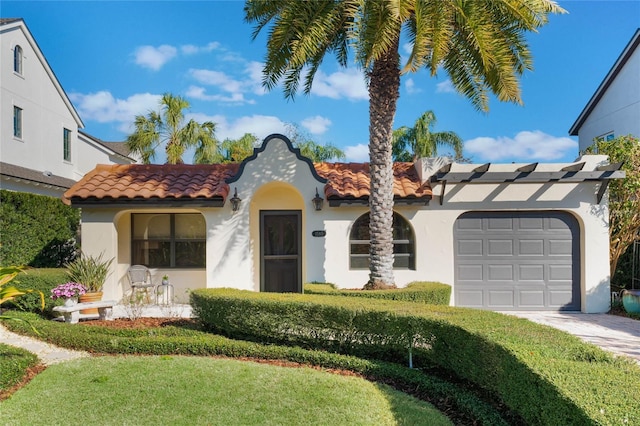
<point>197,92</point>
<point>103,107</point>
<point>254,71</point>
<point>190,49</point>
<point>410,85</point>
<point>357,153</point>
<point>223,82</point>
<point>348,84</point>
<point>316,125</point>
<point>217,79</point>
<point>154,57</point>
<point>260,125</point>
<point>526,146</point>
<point>445,87</point>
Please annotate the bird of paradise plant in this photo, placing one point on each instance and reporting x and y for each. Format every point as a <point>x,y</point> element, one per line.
<point>10,292</point>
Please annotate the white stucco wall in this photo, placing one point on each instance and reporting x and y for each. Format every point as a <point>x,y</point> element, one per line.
<point>618,110</point>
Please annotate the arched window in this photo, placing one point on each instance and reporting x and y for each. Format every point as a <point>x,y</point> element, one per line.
<point>17,59</point>
<point>404,252</point>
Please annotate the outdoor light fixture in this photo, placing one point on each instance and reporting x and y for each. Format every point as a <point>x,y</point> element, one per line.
<point>235,201</point>
<point>317,201</point>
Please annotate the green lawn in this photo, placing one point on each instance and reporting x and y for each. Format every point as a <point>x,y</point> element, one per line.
<point>152,390</point>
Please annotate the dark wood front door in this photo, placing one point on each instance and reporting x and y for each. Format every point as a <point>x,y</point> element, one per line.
<point>280,251</point>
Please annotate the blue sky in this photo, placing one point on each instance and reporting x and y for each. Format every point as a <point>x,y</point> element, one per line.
<point>115,59</point>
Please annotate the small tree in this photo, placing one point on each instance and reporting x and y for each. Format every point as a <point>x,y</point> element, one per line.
<point>624,194</point>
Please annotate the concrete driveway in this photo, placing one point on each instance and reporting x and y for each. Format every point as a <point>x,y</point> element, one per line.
<point>612,333</point>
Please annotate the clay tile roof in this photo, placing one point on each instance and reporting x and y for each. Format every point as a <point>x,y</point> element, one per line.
<point>352,180</point>
<point>139,182</point>
<point>127,183</point>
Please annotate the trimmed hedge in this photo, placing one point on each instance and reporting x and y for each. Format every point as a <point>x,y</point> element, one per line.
<point>14,363</point>
<point>431,293</point>
<point>37,230</point>
<point>183,340</point>
<point>517,361</point>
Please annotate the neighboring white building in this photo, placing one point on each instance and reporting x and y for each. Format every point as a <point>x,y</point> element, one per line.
<point>505,236</point>
<point>614,109</point>
<point>42,149</point>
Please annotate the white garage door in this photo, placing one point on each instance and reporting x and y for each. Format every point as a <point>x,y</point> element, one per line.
<point>517,261</point>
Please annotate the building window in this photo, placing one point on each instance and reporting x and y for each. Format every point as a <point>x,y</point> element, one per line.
<point>66,145</point>
<point>403,243</point>
<point>607,137</point>
<point>17,122</point>
<point>168,240</point>
<point>17,59</point>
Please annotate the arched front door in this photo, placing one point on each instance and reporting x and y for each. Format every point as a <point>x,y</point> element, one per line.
<point>280,251</point>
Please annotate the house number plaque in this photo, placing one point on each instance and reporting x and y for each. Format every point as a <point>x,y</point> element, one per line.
<point>319,233</point>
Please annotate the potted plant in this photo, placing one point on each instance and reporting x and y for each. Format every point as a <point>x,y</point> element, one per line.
<point>90,271</point>
<point>165,280</point>
<point>69,292</point>
<point>631,301</point>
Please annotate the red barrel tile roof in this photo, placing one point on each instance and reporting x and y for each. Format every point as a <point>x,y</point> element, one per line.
<point>146,181</point>
<point>352,180</point>
<point>137,182</point>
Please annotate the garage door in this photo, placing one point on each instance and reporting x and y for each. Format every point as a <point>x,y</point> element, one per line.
<point>517,261</point>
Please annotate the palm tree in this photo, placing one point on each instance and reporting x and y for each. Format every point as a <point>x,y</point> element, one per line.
<point>236,150</point>
<point>480,44</point>
<point>168,128</point>
<point>411,143</point>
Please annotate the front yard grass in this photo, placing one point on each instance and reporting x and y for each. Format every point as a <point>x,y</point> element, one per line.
<point>155,390</point>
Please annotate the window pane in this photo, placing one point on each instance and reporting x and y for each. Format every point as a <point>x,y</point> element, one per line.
<point>17,122</point>
<point>155,254</point>
<point>66,145</point>
<point>190,226</point>
<point>151,226</point>
<point>359,262</point>
<point>360,249</point>
<point>190,254</point>
<point>17,59</point>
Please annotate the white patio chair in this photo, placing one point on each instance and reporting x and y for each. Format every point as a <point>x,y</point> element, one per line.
<point>140,279</point>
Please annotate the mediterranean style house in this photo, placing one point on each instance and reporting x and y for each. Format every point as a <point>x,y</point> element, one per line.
<point>614,109</point>
<point>504,236</point>
<point>43,150</point>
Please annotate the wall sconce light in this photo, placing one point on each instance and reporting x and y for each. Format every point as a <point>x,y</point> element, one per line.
<point>317,201</point>
<point>235,201</point>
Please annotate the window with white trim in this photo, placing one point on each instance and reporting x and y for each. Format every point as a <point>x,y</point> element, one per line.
<point>66,145</point>
<point>17,122</point>
<point>17,59</point>
<point>403,243</point>
<point>168,240</point>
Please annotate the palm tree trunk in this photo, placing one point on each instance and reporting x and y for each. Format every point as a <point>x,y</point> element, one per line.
<point>384,86</point>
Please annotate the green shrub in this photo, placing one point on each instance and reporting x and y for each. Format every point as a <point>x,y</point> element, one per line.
<point>38,280</point>
<point>190,340</point>
<point>14,363</point>
<point>37,230</point>
<point>513,360</point>
<point>423,292</point>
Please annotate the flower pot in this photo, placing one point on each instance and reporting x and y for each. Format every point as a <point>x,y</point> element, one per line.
<point>90,297</point>
<point>631,301</point>
<point>71,301</point>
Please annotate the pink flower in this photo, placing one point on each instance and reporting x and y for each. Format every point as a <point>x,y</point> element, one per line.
<point>68,290</point>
